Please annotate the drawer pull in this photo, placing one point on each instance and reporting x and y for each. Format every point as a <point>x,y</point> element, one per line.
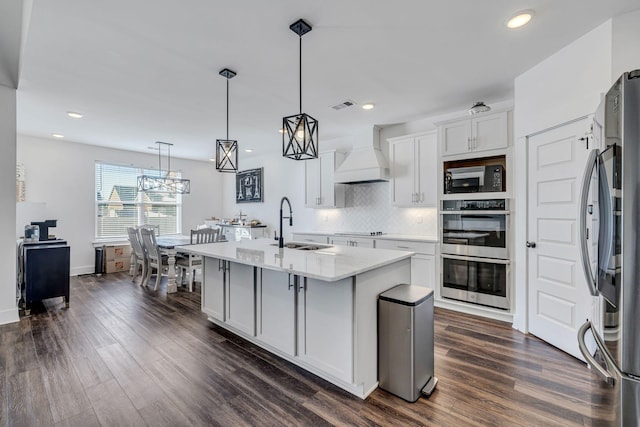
<point>404,247</point>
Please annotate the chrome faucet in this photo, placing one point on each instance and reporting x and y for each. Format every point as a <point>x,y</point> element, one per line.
<point>281,239</point>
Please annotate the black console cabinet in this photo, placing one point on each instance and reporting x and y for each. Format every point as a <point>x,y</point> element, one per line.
<point>45,273</point>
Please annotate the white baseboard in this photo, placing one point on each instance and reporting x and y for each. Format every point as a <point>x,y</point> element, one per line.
<point>78,271</point>
<point>9,316</point>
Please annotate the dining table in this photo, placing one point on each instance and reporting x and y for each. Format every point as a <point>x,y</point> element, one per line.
<point>167,244</point>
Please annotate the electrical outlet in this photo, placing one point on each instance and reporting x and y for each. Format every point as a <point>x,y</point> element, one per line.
<point>419,219</point>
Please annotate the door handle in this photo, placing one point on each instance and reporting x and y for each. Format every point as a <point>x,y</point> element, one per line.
<point>531,244</point>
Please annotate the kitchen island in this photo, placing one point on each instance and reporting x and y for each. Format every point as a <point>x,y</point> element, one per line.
<point>313,307</point>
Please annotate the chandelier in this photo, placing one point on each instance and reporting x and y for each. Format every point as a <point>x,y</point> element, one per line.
<point>167,183</point>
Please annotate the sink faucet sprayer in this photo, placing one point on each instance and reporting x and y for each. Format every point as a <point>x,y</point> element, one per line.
<point>281,239</point>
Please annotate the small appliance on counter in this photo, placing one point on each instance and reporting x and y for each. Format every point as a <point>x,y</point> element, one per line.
<point>31,233</point>
<point>44,228</point>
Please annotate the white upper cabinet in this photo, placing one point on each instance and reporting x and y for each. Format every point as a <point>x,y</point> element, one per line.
<point>486,132</point>
<point>320,190</point>
<point>414,170</point>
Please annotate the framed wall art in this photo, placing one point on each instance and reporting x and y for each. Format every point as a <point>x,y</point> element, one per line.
<point>250,186</point>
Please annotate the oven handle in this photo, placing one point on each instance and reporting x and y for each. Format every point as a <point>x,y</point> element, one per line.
<point>477,259</point>
<point>476,211</point>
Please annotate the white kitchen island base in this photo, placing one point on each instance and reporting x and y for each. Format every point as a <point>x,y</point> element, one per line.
<point>326,325</point>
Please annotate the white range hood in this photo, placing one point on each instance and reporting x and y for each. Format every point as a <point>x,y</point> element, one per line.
<point>365,163</point>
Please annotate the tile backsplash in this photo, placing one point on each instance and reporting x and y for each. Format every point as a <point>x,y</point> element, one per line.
<point>369,208</point>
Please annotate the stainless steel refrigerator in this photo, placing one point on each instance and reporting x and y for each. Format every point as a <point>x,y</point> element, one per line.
<point>611,209</point>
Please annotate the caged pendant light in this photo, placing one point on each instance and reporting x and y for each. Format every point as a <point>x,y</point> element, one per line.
<point>300,131</point>
<point>167,183</point>
<point>227,149</point>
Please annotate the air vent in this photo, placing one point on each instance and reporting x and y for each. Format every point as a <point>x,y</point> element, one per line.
<point>344,104</point>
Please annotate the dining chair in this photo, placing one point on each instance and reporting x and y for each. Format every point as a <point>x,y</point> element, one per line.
<point>190,264</point>
<point>138,258</point>
<point>155,260</point>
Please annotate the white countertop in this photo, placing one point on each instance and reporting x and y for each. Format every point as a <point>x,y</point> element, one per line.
<point>330,264</point>
<point>407,237</point>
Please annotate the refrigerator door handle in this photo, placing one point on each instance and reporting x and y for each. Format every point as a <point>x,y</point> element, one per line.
<point>603,372</point>
<point>584,247</point>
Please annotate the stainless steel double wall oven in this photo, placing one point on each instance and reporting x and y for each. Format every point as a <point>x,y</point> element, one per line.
<point>475,251</point>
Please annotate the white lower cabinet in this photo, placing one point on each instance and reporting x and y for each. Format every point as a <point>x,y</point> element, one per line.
<point>213,295</point>
<point>241,302</point>
<point>275,309</point>
<point>230,293</point>
<point>423,263</point>
<point>325,326</point>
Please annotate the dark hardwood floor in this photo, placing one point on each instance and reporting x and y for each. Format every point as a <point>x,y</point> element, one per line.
<point>125,355</point>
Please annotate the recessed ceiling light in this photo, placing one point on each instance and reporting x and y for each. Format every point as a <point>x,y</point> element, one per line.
<point>57,135</point>
<point>520,19</point>
<point>74,114</point>
<point>368,106</point>
<point>248,150</point>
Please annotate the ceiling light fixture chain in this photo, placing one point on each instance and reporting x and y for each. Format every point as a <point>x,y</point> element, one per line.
<point>300,131</point>
<point>227,149</point>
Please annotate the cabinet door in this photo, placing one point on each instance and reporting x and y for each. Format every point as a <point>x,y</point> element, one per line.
<point>275,309</point>
<point>213,288</point>
<point>403,191</point>
<point>325,326</point>
<point>456,138</point>
<point>427,169</point>
<point>312,183</point>
<point>327,187</point>
<point>489,132</point>
<point>423,271</point>
<point>342,241</point>
<point>241,302</point>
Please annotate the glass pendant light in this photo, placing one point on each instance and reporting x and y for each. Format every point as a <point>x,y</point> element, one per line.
<point>479,107</point>
<point>227,149</point>
<point>300,131</point>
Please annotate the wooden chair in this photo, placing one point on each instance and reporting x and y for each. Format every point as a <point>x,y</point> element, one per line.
<point>138,257</point>
<point>189,265</point>
<point>154,257</point>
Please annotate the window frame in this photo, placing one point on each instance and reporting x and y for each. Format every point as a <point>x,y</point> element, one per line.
<point>140,203</point>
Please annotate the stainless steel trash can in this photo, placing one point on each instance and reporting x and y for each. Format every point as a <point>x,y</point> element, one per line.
<point>405,341</point>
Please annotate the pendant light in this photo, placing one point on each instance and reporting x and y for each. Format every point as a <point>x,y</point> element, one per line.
<point>300,131</point>
<point>227,149</point>
<point>167,183</point>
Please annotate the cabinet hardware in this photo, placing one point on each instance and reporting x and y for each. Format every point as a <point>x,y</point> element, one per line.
<point>531,244</point>
<point>468,144</point>
<point>404,247</point>
<point>289,282</point>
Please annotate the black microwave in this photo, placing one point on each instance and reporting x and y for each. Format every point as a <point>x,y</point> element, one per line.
<point>474,179</point>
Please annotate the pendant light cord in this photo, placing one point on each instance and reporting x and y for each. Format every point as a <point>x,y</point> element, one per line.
<point>300,68</point>
<point>227,109</point>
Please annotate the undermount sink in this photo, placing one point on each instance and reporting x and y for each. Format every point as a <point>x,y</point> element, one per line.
<point>303,246</point>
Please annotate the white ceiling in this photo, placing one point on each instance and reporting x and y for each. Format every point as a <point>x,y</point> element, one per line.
<point>147,70</point>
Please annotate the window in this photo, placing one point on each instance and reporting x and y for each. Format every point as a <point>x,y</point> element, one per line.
<point>119,204</point>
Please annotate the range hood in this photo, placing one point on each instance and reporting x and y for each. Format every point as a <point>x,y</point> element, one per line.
<point>365,163</point>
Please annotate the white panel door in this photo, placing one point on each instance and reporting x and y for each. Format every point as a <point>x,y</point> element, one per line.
<point>559,301</point>
<point>427,170</point>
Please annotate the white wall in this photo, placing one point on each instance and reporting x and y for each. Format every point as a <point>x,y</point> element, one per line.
<point>61,174</point>
<point>626,44</point>
<point>8,309</point>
